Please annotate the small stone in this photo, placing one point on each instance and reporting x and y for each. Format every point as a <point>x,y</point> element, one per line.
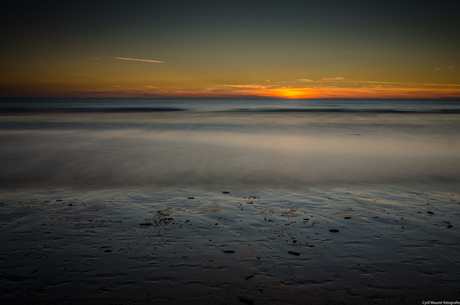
<point>249,277</point>
<point>333,230</point>
<point>228,251</point>
<point>225,192</point>
<point>145,224</point>
<point>375,217</point>
<point>190,197</point>
<point>429,212</point>
<point>294,253</point>
<point>347,217</point>
<point>108,250</point>
<point>449,226</point>
<point>246,300</point>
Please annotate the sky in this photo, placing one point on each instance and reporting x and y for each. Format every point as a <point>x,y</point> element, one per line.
<point>281,49</point>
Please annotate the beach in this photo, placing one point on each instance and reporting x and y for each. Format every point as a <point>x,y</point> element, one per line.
<point>290,204</point>
<point>321,245</point>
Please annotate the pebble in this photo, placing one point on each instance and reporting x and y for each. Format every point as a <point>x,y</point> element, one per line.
<point>429,212</point>
<point>294,253</point>
<point>246,300</point>
<point>347,217</point>
<point>228,251</point>
<point>333,230</point>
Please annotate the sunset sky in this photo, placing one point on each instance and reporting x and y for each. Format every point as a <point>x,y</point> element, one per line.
<point>292,49</point>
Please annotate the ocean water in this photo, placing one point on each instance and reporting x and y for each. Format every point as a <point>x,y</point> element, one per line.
<point>256,142</point>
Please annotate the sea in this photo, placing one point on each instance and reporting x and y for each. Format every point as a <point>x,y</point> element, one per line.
<point>269,142</point>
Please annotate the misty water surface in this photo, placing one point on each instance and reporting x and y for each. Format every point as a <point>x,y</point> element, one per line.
<point>279,144</point>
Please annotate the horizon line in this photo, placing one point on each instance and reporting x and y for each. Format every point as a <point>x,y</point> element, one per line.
<point>252,98</point>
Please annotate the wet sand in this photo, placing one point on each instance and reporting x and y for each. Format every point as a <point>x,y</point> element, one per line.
<point>329,244</point>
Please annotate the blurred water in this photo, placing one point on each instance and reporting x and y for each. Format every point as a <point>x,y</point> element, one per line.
<point>142,142</point>
<point>243,105</point>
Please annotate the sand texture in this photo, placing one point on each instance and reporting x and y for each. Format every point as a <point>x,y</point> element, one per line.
<point>348,244</point>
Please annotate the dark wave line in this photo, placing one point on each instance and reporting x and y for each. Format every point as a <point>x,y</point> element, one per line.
<point>325,110</point>
<point>89,110</point>
<point>13,110</point>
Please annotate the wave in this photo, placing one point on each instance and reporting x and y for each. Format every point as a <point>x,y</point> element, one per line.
<point>345,110</point>
<point>90,110</point>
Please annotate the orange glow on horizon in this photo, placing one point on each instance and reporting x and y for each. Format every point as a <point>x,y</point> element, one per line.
<point>293,93</point>
<point>290,93</point>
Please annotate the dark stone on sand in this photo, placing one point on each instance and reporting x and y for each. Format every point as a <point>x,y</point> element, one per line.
<point>449,226</point>
<point>249,277</point>
<point>333,230</point>
<point>250,202</point>
<point>246,300</point>
<point>294,253</point>
<point>224,192</point>
<point>146,224</point>
<point>190,197</point>
<point>429,212</point>
<point>108,250</point>
<point>347,217</point>
<point>309,245</point>
<point>228,251</point>
<point>375,217</point>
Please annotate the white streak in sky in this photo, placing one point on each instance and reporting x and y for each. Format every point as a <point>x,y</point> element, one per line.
<point>136,59</point>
